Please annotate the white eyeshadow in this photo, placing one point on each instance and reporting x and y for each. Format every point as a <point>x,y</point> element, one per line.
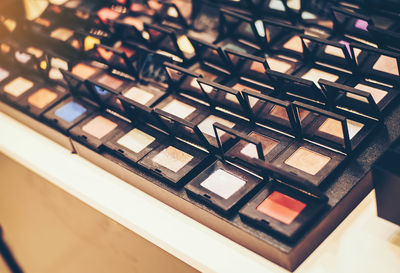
<point>223,183</point>
<point>179,109</point>
<point>136,140</point>
<point>276,5</point>
<point>138,95</point>
<point>354,127</point>
<point>172,158</point>
<point>18,86</point>
<point>206,126</point>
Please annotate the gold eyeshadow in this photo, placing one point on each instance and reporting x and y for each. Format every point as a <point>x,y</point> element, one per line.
<point>307,161</point>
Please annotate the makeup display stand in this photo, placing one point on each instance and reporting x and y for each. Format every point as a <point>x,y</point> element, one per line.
<point>362,242</point>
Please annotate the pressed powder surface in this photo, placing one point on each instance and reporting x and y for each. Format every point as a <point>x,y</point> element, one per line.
<point>307,161</point>
<point>267,144</point>
<point>241,87</point>
<point>185,45</point>
<point>377,94</point>
<point>137,23</point>
<point>206,126</point>
<point>334,127</point>
<point>278,65</point>
<point>387,64</point>
<point>136,140</point>
<point>138,95</point>
<point>258,67</point>
<point>3,74</point>
<point>35,51</point>
<point>281,207</point>
<point>18,86</point>
<point>280,112</point>
<point>70,111</point>
<point>179,109</point>
<point>172,158</point>
<point>84,71</point>
<point>206,75</point>
<point>333,50</point>
<point>42,98</point>
<point>294,44</point>
<point>99,127</point>
<point>110,81</point>
<point>223,183</point>
<point>62,34</point>
<point>316,74</point>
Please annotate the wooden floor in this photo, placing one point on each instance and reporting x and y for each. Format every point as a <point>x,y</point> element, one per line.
<point>51,231</point>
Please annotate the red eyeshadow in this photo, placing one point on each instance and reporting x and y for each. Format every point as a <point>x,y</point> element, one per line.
<point>281,207</point>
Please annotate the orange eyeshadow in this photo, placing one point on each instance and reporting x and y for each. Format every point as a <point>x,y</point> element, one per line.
<point>281,207</point>
<point>84,71</point>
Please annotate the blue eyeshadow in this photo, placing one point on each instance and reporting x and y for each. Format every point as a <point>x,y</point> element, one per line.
<point>70,111</point>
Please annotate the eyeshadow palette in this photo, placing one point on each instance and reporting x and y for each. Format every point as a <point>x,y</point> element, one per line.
<point>258,119</point>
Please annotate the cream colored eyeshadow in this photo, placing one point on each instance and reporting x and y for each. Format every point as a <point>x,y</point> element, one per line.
<point>316,74</point>
<point>307,161</point>
<point>18,86</point>
<point>377,94</point>
<point>387,64</point>
<point>278,65</point>
<point>172,158</point>
<point>136,140</point>
<point>62,34</point>
<point>335,51</point>
<point>185,45</point>
<point>206,126</point>
<point>138,95</point>
<point>334,127</point>
<point>179,109</point>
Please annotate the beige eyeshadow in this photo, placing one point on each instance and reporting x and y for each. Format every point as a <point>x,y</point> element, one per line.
<point>99,127</point>
<point>179,109</point>
<point>139,95</point>
<point>62,34</point>
<point>137,23</point>
<point>42,98</point>
<point>241,87</point>
<point>110,81</point>
<point>278,65</point>
<point>136,140</point>
<point>294,44</point>
<point>334,127</point>
<point>387,64</point>
<point>335,51</point>
<point>267,144</point>
<point>377,94</point>
<point>315,74</point>
<point>172,158</point>
<point>84,71</point>
<point>206,126</point>
<point>18,86</point>
<point>307,161</point>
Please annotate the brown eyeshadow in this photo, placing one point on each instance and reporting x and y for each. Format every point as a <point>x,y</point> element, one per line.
<point>268,144</point>
<point>280,112</point>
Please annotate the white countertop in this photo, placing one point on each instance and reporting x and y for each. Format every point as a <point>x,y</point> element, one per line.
<point>361,243</point>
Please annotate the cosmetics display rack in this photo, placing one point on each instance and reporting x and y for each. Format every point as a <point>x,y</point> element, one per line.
<point>260,120</point>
